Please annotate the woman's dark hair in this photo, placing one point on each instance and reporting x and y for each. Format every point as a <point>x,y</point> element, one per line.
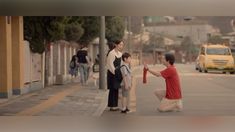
<point>125,56</point>
<point>117,42</point>
<point>74,58</point>
<point>170,58</point>
<point>111,45</point>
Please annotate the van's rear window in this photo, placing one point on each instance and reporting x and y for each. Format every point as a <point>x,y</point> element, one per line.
<point>218,51</point>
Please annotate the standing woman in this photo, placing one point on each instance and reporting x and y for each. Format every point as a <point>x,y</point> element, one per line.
<point>114,61</point>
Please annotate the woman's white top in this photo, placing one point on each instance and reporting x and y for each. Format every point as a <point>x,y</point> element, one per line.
<point>111,58</point>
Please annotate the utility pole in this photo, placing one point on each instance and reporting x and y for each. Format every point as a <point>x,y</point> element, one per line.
<point>191,37</point>
<point>129,34</point>
<point>102,69</point>
<point>141,43</point>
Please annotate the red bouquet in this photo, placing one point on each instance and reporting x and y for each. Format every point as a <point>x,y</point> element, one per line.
<point>145,75</point>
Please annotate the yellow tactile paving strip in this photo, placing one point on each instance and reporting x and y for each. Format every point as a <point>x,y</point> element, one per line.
<point>16,99</point>
<point>48,103</point>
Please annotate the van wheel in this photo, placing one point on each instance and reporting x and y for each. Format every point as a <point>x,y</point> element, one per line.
<point>231,72</point>
<point>224,72</point>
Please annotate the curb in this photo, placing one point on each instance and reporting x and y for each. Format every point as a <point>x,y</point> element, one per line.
<point>103,104</point>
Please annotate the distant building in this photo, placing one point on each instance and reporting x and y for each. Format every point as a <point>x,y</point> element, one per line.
<point>197,31</point>
<point>154,19</point>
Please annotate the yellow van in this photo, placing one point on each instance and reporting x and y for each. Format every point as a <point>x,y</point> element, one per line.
<point>216,57</point>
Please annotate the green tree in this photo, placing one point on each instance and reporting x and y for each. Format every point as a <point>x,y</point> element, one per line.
<point>187,45</point>
<point>73,32</point>
<point>216,40</point>
<point>160,42</point>
<point>83,29</point>
<point>157,41</point>
<point>115,27</point>
<point>41,30</point>
<point>136,23</point>
<point>91,26</point>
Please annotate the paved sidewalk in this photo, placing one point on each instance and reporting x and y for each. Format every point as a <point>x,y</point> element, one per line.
<point>88,101</point>
<point>60,100</point>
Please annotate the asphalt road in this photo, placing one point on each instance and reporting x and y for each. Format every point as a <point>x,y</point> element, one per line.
<point>205,94</point>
